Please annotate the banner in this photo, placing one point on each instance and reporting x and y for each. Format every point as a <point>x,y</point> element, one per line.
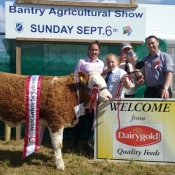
<point>143,130</point>
<point>70,22</point>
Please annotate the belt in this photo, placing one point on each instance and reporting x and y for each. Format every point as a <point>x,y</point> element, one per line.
<point>156,87</point>
<point>130,96</point>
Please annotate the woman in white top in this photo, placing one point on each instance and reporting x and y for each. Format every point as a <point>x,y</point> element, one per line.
<point>88,64</point>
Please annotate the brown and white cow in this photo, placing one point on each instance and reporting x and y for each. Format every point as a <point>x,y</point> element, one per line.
<point>57,101</point>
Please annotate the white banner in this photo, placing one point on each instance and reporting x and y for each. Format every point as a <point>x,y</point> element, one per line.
<point>68,22</point>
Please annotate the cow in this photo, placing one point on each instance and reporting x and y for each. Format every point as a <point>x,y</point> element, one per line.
<point>58,97</point>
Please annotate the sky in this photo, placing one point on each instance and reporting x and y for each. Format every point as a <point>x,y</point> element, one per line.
<point>158,2</point>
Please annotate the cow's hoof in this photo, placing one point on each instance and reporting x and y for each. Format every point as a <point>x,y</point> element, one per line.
<point>60,165</point>
<point>61,168</point>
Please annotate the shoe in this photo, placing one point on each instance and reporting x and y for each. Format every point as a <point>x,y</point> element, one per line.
<point>91,144</point>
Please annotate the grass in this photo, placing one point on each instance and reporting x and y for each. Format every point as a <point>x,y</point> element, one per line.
<point>78,162</point>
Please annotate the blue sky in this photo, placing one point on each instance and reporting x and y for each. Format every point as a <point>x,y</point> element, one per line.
<point>161,2</point>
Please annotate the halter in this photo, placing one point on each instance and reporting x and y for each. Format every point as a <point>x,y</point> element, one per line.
<point>94,93</point>
<point>117,95</point>
<point>86,86</point>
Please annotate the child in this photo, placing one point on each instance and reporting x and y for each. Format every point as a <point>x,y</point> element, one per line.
<point>116,75</point>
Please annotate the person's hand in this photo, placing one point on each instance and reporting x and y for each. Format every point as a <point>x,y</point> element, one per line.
<point>123,58</point>
<point>124,78</point>
<point>105,71</point>
<point>140,81</point>
<point>165,94</point>
<point>126,82</point>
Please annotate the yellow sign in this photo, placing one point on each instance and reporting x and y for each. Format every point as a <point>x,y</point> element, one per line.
<point>138,129</point>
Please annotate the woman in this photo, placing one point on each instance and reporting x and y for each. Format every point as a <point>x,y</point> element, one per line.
<point>87,65</point>
<point>91,62</point>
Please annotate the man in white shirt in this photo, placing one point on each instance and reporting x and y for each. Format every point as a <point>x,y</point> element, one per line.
<point>127,63</point>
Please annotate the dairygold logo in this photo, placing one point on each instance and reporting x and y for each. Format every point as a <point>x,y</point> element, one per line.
<point>138,135</point>
<point>137,131</point>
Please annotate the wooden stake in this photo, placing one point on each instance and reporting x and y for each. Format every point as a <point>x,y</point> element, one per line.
<point>7,133</point>
<point>132,2</point>
<point>18,71</point>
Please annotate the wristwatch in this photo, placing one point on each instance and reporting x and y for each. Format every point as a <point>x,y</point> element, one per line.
<point>165,87</point>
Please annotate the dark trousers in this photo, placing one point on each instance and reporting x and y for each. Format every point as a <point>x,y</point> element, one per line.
<point>129,96</point>
<point>88,118</point>
<point>155,92</point>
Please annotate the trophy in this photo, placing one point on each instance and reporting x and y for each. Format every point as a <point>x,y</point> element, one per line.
<point>132,54</point>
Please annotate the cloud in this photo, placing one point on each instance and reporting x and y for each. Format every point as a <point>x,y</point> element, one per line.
<point>2,19</point>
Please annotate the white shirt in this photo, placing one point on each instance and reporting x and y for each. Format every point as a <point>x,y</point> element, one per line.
<point>87,65</point>
<point>114,80</point>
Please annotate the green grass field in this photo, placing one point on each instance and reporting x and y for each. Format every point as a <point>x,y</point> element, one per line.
<point>77,161</point>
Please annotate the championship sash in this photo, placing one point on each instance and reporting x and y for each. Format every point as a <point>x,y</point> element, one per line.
<point>33,132</point>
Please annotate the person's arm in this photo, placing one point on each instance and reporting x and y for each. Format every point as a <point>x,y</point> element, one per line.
<point>168,69</point>
<point>123,58</point>
<point>126,82</point>
<point>168,80</point>
<point>140,81</point>
<point>105,71</point>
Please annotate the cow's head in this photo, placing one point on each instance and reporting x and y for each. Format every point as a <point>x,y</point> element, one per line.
<point>95,79</point>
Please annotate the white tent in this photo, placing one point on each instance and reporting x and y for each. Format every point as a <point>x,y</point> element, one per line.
<point>160,21</point>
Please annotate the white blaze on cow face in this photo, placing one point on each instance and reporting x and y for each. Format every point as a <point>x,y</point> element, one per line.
<point>96,79</point>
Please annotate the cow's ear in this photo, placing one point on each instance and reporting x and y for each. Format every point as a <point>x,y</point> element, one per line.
<point>83,77</point>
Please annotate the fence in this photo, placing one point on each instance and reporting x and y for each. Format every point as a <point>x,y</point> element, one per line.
<point>53,58</point>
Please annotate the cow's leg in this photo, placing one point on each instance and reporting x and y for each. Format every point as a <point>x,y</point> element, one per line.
<point>57,139</point>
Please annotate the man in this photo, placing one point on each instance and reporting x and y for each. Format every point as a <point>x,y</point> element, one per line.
<point>128,64</point>
<point>157,71</point>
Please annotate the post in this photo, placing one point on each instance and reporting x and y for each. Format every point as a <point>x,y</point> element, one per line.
<point>7,132</point>
<point>132,2</point>
<point>18,71</point>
